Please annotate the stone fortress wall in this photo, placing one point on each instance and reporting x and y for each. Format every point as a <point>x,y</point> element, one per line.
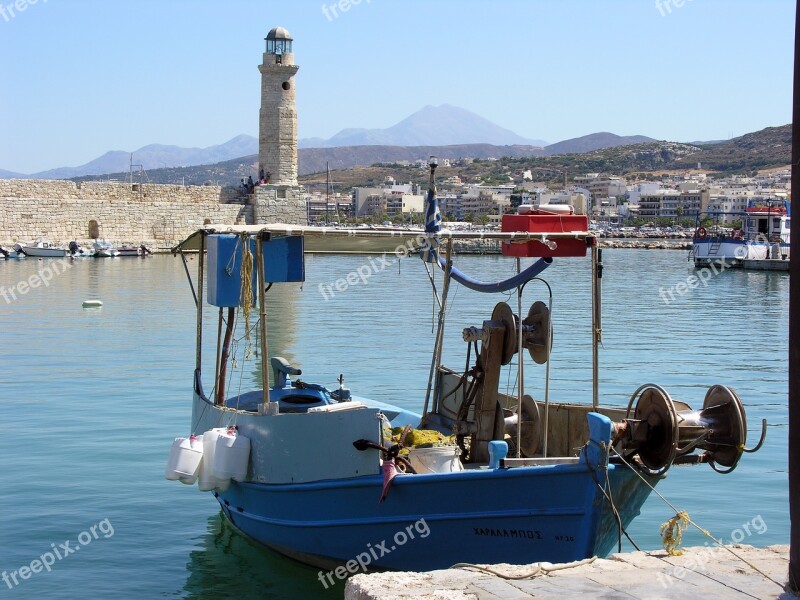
<point>156,215</point>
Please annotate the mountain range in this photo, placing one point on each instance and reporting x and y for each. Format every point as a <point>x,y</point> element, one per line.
<point>369,165</point>
<point>431,127</point>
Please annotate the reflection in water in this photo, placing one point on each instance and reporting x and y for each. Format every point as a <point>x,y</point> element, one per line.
<point>229,565</point>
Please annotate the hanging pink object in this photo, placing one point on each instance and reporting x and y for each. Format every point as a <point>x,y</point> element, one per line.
<point>389,473</point>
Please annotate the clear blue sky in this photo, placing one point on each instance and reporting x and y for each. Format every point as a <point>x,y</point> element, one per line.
<point>81,77</point>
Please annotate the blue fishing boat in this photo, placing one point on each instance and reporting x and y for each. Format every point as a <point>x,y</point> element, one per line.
<point>477,476</point>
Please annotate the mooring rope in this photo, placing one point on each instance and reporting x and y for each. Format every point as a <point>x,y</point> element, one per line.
<point>672,536</point>
<point>538,570</point>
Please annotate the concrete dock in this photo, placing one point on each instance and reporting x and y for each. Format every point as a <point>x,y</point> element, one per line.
<point>766,264</point>
<point>701,572</point>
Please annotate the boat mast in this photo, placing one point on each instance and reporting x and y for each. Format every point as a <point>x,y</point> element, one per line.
<point>199,298</point>
<point>436,360</point>
<point>597,325</point>
<point>262,237</point>
<point>437,353</point>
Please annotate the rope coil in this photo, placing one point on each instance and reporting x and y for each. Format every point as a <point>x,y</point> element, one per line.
<point>672,533</point>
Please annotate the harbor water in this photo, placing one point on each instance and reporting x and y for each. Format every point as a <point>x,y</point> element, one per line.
<point>91,398</point>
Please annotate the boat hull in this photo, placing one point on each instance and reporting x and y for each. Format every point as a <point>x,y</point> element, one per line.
<point>44,252</point>
<point>520,515</point>
<point>734,253</point>
<point>517,516</point>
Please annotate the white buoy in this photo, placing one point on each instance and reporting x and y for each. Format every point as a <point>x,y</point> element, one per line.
<point>92,303</point>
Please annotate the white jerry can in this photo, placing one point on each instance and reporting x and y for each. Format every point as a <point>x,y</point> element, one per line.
<point>184,460</point>
<point>207,482</point>
<point>231,456</point>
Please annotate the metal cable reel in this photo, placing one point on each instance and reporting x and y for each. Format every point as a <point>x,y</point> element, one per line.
<point>723,404</point>
<point>662,430</point>
<point>502,312</point>
<point>537,332</point>
<point>531,434</point>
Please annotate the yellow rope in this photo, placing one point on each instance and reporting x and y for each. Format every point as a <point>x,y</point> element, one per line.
<point>672,532</point>
<point>246,297</point>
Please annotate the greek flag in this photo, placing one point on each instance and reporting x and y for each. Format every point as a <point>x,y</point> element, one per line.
<point>433,224</point>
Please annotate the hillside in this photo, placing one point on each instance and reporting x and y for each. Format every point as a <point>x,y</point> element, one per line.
<point>594,141</point>
<point>770,147</point>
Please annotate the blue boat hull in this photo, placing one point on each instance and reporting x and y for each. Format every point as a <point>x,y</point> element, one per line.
<point>524,515</point>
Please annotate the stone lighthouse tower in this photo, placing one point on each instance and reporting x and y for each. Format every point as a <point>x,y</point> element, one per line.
<point>281,199</point>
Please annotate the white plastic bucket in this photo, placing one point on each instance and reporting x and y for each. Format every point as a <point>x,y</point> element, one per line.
<point>231,456</point>
<point>184,460</point>
<point>439,459</point>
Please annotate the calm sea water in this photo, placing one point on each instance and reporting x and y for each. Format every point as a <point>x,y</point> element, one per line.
<point>90,400</point>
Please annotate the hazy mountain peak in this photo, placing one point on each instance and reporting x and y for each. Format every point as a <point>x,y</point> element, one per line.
<point>442,125</point>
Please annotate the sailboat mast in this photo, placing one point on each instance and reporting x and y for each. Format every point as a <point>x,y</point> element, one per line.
<point>327,190</point>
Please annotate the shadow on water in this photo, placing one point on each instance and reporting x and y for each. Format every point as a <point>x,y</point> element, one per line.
<point>229,565</point>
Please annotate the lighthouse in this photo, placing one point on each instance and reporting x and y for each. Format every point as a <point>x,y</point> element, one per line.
<point>280,199</point>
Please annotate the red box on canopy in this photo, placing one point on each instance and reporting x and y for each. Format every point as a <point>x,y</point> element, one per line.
<point>546,223</point>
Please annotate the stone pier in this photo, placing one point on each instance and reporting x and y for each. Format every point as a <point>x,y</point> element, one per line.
<point>700,572</point>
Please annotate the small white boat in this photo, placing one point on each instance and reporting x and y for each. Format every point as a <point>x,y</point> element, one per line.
<point>41,248</point>
<point>104,249</point>
<point>126,250</point>
<point>76,251</point>
<point>6,253</point>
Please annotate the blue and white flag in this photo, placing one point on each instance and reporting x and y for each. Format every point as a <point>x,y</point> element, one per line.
<point>433,224</point>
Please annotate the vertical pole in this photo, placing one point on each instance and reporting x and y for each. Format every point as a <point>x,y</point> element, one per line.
<point>597,331</point>
<point>200,265</point>
<point>520,366</point>
<point>436,363</point>
<point>262,310</point>
<point>219,345</point>
<point>794,336</point>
